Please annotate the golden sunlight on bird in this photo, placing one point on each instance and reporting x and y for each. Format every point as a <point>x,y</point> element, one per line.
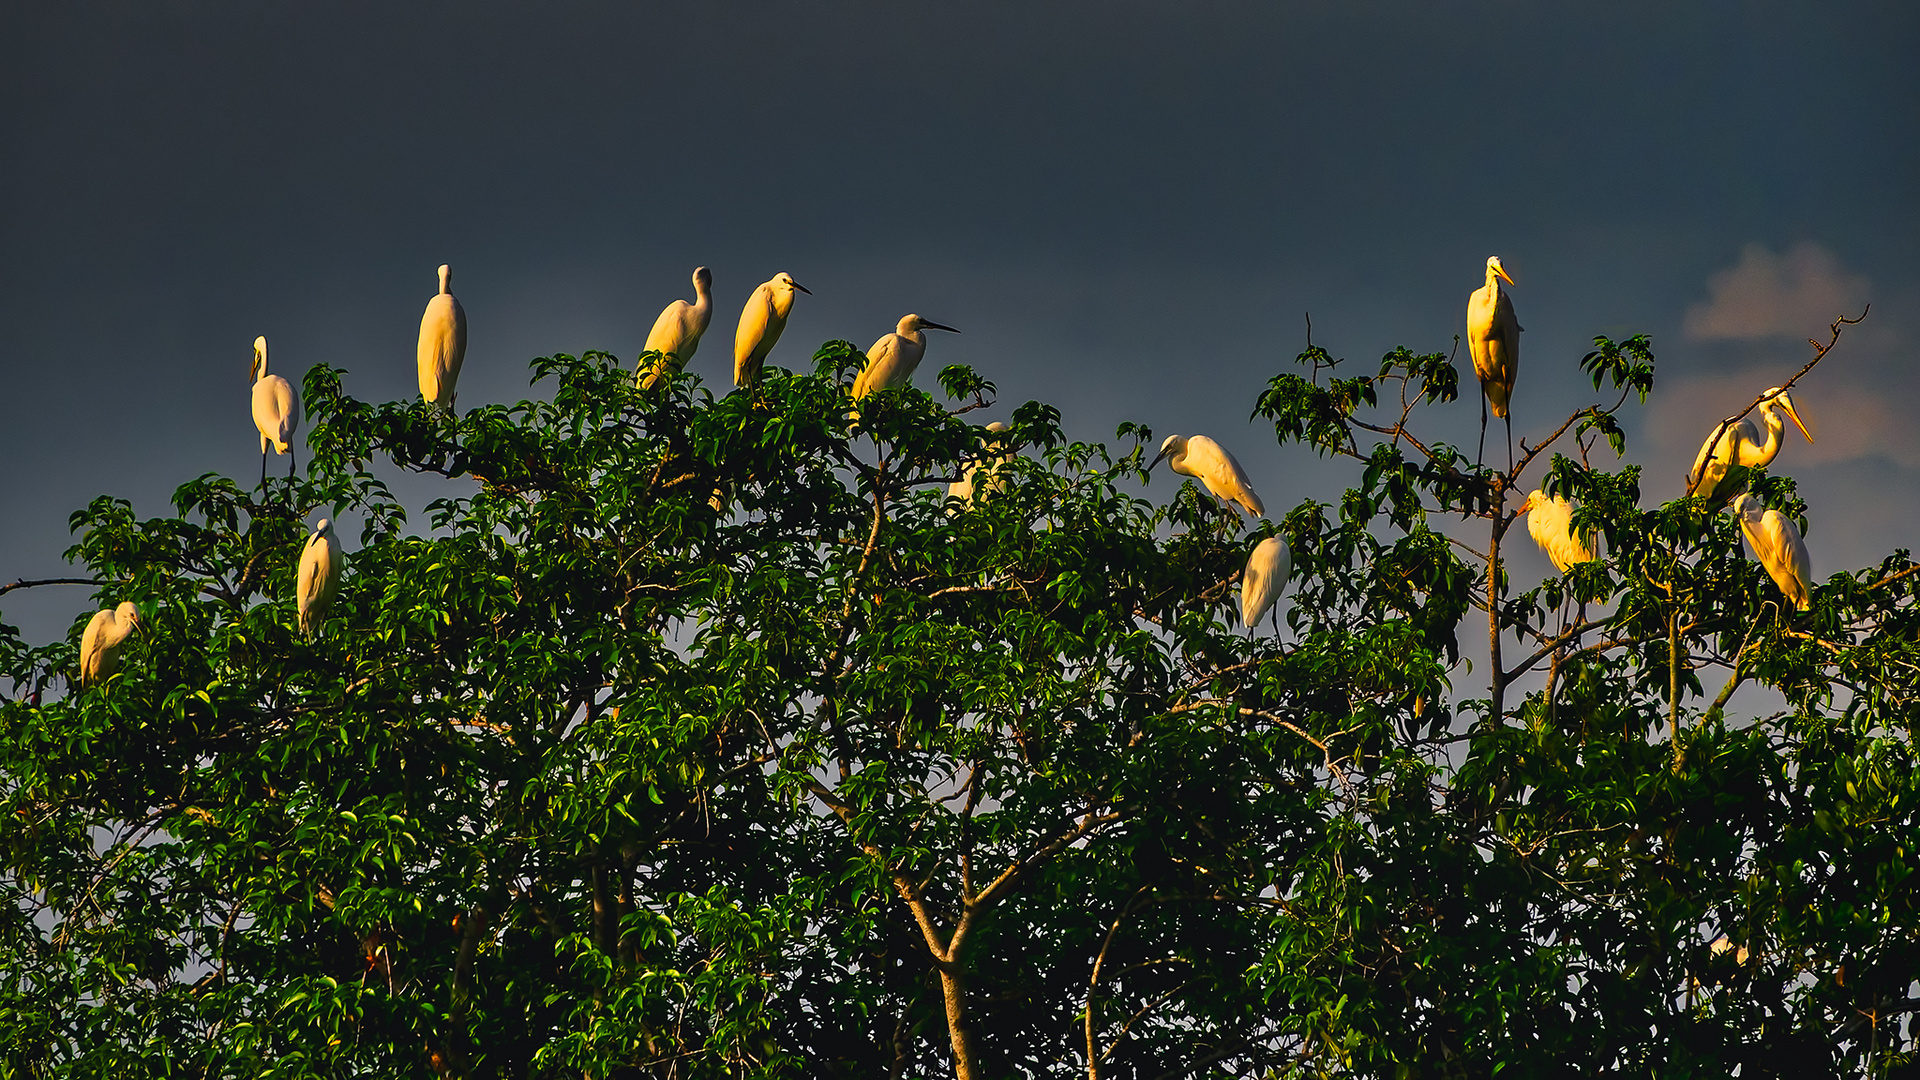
<point>1777,545</point>
<point>761,324</point>
<point>276,412</point>
<point>891,361</point>
<point>100,644</point>
<point>319,578</point>
<point>676,333</point>
<point>1742,444</point>
<point>1264,578</point>
<point>1550,522</point>
<point>1208,462</point>
<point>983,476</point>
<point>1493,337</point>
<point>443,345</point>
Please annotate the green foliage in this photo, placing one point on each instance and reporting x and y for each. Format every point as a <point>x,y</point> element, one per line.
<point>707,736</point>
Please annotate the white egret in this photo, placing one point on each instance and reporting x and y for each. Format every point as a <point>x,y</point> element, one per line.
<point>1264,578</point>
<point>1550,521</point>
<point>983,476</point>
<point>891,361</point>
<point>1742,444</point>
<point>319,577</point>
<point>1778,546</point>
<point>443,345</point>
<point>100,643</point>
<point>276,412</point>
<point>1493,337</point>
<point>1207,461</point>
<point>676,333</point>
<point>761,324</point>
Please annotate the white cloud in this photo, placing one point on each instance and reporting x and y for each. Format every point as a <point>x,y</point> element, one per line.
<point>1795,294</point>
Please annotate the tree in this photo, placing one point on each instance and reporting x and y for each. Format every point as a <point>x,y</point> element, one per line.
<point>705,736</point>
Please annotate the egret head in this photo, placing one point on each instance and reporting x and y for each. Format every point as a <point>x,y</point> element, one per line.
<point>128,615</point>
<point>1746,507</point>
<point>910,323</point>
<point>1494,268</point>
<point>702,279</point>
<point>997,425</point>
<point>1777,398</point>
<point>259,357</point>
<point>1171,445</point>
<point>446,278</point>
<point>785,280</point>
<point>1536,497</point>
<point>323,527</point>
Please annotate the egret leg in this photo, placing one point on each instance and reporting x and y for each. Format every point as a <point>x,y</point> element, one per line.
<point>1480,457</point>
<point>263,469</point>
<point>292,457</point>
<point>1509,443</point>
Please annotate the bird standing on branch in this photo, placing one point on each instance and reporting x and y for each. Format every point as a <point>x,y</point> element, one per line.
<point>983,476</point>
<point>1208,462</point>
<point>1742,444</point>
<point>676,333</point>
<point>891,361</point>
<point>443,345</point>
<point>761,324</point>
<point>1550,522</point>
<point>1263,579</point>
<point>1493,336</point>
<point>276,412</point>
<point>1778,546</point>
<point>100,643</point>
<point>319,577</point>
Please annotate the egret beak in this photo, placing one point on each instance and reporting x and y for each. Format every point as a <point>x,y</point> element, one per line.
<point>925,325</point>
<point>1503,274</point>
<point>803,288</point>
<point>1157,459</point>
<point>1795,417</point>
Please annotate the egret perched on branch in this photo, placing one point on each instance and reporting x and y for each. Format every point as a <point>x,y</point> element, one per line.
<point>1263,579</point>
<point>676,333</point>
<point>1208,462</point>
<point>1741,444</point>
<point>443,345</point>
<point>1493,336</point>
<point>761,323</point>
<point>891,361</point>
<point>1550,521</point>
<point>100,643</point>
<point>319,577</point>
<point>276,412</point>
<point>983,476</point>
<point>1778,546</point>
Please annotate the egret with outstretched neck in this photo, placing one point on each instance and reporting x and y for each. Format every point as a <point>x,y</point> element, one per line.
<point>276,412</point>
<point>676,333</point>
<point>1777,544</point>
<point>443,345</point>
<point>761,324</point>
<point>1742,444</point>
<point>1263,579</point>
<point>1493,337</point>
<point>1208,462</point>
<point>319,578</point>
<point>100,643</point>
<point>891,361</point>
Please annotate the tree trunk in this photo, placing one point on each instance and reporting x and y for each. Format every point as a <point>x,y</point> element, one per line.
<point>953,986</point>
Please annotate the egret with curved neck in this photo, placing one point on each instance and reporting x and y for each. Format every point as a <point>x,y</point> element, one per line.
<point>1743,444</point>
<point>276,412</point>
<point>676,333</point>
<point>1493,337</point>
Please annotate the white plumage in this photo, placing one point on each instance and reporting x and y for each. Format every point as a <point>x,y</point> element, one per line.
<point>676,333</point>
<point>1208,462</point>
<point>1743,444</point>
<point>100,643</point>
<point>443,345</point>
<point>1264,579</point>
<point>1493,337</point>
<point>891,361</point>
<point>983,476</point>
<point>1550,521</point>
<point>1778,546</point>
<point>319,577</point>
<point>276,412</point>
<point>761,323</point>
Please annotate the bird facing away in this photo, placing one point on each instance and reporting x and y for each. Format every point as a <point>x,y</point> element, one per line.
<point>100,644</point>
<point>1778,546</point>
<point>319,577</point>
<point>1742,444</point>
<point>276,412</point>
<point>1207,461</point>
<point>761,324</point>
<point>676,333</point>
<point>1263,579</point>
<point>891,361</point>
<point>1550,521</point>
<point>1493,336</point>
<point>443,345</point>
<point>983,476</point>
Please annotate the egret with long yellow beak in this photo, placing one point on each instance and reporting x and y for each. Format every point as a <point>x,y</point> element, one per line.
<point>1742,444</point>
<point>443,345</point>
<point>676,333</point>
<point>319,578</point>
<point>1777,545</point>
<point>1208,462</point>
<point>100,643</point>
<point>761,324</point>
<point>891,361</point>
<point>1550,522</point>
<point>276,412</point>
<point>1493,337</point>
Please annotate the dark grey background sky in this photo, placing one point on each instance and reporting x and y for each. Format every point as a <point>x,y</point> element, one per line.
<point>1126,207</point>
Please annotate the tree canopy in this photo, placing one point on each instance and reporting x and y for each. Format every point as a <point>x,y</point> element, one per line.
<point>705,736</point>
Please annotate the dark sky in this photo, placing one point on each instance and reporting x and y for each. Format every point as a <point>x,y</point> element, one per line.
<point>1126,207</point>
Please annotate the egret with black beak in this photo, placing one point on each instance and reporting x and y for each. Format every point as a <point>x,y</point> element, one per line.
<point>319,578</point>
<point>1208,462</point>
<point>761,324</point>
<point>276,412</point>
<point>1493,336</point>
<point>100,644</point>
<point>676,333</point>
<point>891,361</point>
